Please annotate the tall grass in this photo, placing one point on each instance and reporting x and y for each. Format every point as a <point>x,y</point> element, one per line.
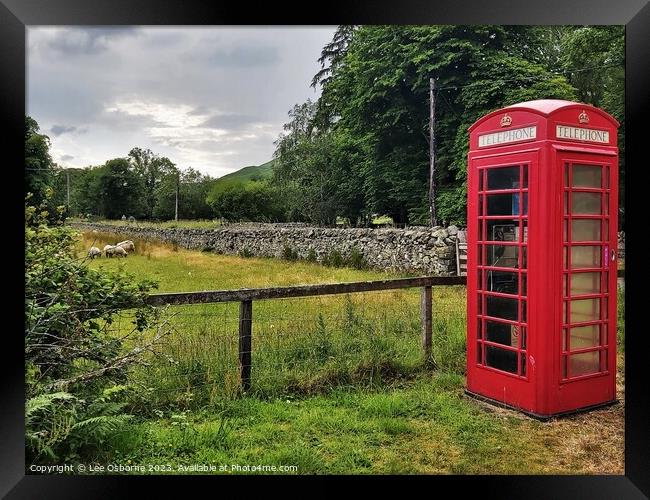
<point>300,346</point>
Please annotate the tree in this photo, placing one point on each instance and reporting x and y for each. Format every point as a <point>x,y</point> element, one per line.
<point>120,190</point>
<point>38,162</point>
<point>377,95</point>
<point>152,169</point>
<point>251,201</point>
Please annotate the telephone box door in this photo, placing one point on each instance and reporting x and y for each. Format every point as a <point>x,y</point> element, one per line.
<point>587,350</point>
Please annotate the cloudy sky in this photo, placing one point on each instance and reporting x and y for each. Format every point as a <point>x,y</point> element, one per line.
<point>213,98</point>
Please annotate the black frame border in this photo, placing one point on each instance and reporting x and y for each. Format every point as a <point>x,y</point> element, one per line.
<point>16,15</point>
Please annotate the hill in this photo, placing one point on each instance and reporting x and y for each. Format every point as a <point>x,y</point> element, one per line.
<point>250,173</point>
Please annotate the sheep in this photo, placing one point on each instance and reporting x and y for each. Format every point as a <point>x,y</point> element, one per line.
<point>127,245</point>
<point>119,251</point>
<point>94,252</point>
<point>108,250</point>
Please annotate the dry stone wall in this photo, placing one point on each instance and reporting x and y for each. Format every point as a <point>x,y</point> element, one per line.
<point>422,250</point>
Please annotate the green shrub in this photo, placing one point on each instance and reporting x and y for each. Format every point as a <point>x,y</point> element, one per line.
<point>289,253</point>
<point>334,259</point>
<point>74,364</point>
<point>244,252</point>
<point>311,255</point>
<point>356,259</point>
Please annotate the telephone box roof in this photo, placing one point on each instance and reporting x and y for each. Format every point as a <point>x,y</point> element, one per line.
<point>545,107</point>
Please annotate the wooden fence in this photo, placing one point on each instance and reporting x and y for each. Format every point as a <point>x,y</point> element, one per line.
<point>246,296</point>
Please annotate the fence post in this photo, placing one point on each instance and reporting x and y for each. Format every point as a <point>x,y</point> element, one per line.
<point>245,342</point>
<point>425,309</point>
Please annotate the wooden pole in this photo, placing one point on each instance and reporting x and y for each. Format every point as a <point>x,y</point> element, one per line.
<point>432,151</point>
<point>178,182</point>
<point>67,176</point>
<point>245,342</point>
<point>425,308</point>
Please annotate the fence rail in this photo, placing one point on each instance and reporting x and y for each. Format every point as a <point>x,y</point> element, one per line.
<point>246,296</point>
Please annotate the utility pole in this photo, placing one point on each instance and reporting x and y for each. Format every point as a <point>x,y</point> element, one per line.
<point>67,177</point>
<point>178,184</point>
<point>432,151</point>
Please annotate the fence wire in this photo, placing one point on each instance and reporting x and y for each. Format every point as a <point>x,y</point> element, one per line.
<point>299,345</point>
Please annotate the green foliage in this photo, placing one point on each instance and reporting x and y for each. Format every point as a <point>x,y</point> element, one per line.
<point>356,259</point>
<point>251,201</point>
<point>38,162</point>
<point>71,357</point>
<point>333,259</point>
<point>362,148</point>
<point>289,253</point>
<point>311,255</point>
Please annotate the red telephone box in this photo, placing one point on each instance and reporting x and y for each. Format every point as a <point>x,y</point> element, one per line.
<point>542,215</point>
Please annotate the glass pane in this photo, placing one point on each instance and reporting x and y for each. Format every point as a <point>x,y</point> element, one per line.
<point>525,176</point>
<point>565,232</point>
<point>524,260</point>
<point>585,336</point>
<point>583,283</point>
<point>585,230</point>
<point>584,257</point>
<point>502,256</point>
<point>564,365</point>
<point>480,304</point>
<point>585,363</point>
<point>479,329</point>
<point>586,203</point>
<point>479,354</point>
<point>503,204</point>
<point>522,337</point>
<point>502,230</point>
<point>523,365</point>
<point>501,359</point>
<point>525,208</point>
<point>523,312</point>
<point>585,310</point>
<point>566,203</point>
<point>501,307</point>
<point>524,281</point>
<point>502,281</point>
<point>587,176</point>
<point>564,336</point>
<point>479,281</point>
<point>480,180</point>
<point>502,333</point>
<point>524,223</point>
<point>503,178</point>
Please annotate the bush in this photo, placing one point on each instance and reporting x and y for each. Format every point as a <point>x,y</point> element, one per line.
<point>311,255</point>
<point>74,365</point>
<point>333,259</point>
<point>289,253</point>
<point>356,259</point>
<point>245,252</point>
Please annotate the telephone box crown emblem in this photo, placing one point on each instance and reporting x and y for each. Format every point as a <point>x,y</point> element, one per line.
<point>506,120</point>
<point>583,117</point>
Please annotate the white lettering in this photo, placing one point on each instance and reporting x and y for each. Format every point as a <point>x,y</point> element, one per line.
<point>506,136</point>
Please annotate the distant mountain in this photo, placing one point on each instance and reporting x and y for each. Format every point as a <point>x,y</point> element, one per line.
<point>251,173</point>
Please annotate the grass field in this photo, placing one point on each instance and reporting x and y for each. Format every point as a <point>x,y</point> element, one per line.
<point>339,384</point>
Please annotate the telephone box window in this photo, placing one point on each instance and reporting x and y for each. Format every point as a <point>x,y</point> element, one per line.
<point>585,363</point>
<point>585,336</point>
<point>503,178</point>
<point>587,176</point>
<point>585,257</point>
<point>501,359</point>
<point>585,283</point>
<point>585,230</point>
<point>500,307</point>
<point>586,203</point>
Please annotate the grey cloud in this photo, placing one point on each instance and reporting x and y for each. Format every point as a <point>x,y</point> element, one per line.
<point>67,157</point>
<point>235,121</point>
<point>58,130</point>
<point>88,40</point>
<point>242,56</point>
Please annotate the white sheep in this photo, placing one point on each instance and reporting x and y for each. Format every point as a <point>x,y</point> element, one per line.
<point>94,252</point>
<point>108,250</point>
<point>127,245</point>
<point>119,251</point>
